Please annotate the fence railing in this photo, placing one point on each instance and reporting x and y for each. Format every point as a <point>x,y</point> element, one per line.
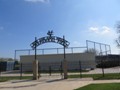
<point>77,69</point>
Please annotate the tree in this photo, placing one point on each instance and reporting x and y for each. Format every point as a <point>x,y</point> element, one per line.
<point>16,65</point>
<point>118,32</point>
<point>91,50</point>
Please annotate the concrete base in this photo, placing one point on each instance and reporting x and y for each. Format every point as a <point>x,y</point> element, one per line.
<point>35,70</point>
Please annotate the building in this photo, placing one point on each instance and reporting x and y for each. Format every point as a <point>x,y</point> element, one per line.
<point>7,65</point>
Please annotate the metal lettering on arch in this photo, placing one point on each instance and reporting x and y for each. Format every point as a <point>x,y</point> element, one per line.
<point>50,38</point>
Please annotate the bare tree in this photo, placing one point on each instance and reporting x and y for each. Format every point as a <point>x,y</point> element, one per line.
<point>91,50</point>
<point>118,32</point>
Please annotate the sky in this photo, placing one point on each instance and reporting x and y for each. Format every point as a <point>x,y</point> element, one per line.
<point>79,20</point>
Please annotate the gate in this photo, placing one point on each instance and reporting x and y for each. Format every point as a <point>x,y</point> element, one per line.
<point>47,39</point>
<point>53,69</point>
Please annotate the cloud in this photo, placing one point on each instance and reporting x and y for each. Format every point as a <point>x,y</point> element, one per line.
<point>100,30</point>
<point>105,30</point>
<point>94,29</point>
<point>35,1</point>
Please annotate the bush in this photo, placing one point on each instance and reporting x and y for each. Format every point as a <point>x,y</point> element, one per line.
<point>107,64</point>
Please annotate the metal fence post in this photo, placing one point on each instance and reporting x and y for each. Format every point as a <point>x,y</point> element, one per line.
<point>61,71</point>
<point>80,69</point>
<point>0,69</point>
<point>39,70</point>
<point>50,70</point>
<point>20,71</point>
<point>119,64</point>
<point>102,64</point>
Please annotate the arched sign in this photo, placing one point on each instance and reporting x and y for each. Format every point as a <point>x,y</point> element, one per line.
<point>50,38</point>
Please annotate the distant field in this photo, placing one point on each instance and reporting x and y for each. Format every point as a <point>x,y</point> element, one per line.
<point>107,86</point>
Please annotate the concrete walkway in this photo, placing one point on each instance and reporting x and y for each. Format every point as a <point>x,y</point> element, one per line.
<point>50,84</point>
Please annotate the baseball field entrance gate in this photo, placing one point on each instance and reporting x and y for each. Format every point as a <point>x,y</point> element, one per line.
<point>47,39</point>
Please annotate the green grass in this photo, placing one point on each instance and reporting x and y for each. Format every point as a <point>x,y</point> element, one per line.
<point>57,71</point>
<point>6,78</point>
<point>98,76</point>
<point>107,86</point>
<point>94,76</point>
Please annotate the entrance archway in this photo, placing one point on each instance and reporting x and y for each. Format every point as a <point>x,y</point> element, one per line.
<point>47,39</point>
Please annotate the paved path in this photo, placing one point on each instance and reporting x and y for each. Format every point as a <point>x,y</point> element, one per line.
<point>50,84</point>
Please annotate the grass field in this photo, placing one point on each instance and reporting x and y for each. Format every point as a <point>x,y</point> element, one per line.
<point>6,78</point>
<point>107,86</point>
<point>57,71</point>
<point>98,76</point>
<point>94,76</point>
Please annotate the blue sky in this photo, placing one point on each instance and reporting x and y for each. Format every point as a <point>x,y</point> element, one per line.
<point>78,20</point>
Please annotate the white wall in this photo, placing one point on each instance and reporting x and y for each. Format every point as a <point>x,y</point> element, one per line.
<point>87,59</point>
<point>58,57</point>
